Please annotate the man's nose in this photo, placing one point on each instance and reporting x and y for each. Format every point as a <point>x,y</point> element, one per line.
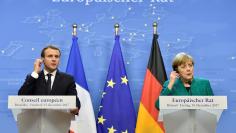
<point>54,58</point>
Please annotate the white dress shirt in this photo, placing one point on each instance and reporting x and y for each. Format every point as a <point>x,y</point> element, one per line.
<point>36,75</point>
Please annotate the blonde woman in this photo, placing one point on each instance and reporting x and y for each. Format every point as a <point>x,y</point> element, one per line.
<point>182,81</point>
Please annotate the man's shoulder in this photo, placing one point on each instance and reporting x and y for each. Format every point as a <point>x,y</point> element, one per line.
<point>65,75</point>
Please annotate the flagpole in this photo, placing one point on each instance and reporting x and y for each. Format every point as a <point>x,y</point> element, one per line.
<point>155,28</point>
<point>116,26</point>
<point>74,26</point>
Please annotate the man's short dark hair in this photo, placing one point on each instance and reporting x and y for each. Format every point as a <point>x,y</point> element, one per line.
<point>51,47</point>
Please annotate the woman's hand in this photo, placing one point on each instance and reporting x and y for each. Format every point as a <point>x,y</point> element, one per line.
<point>173,76</point>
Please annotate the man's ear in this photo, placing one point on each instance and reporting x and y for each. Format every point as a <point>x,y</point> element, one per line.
<point>42,58</point>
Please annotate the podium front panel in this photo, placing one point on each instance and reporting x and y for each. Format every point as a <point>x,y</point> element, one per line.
<point>44,121</point>
<point>29,121</point>
<point>190,121</point>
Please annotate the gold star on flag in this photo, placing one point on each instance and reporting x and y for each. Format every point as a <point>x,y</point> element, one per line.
<point>126,131</point>
<point>124,80</point>
<point>101,120</point>
<point>110,83</point>
<point>111,130</point>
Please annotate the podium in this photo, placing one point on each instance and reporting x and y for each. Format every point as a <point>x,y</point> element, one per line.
<point>194,116</point>
<point>34,115</point>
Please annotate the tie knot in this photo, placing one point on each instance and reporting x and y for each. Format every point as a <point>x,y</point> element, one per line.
<point>49,75</point>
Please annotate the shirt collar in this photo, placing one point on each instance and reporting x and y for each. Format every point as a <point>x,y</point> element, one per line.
<point>46,72</point>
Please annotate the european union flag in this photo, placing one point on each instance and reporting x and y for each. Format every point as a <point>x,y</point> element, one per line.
<point>116,112</point>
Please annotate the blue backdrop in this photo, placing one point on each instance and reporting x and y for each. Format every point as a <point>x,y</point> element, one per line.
<point>204,29</point>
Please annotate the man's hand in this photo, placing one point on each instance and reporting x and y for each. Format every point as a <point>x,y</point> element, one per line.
<point>37,65</point>
<point>74,111</point>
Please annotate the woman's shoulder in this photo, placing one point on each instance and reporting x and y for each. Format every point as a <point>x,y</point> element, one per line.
<point>177,81</point>
<point>166,82</point>
<point>201,80</point>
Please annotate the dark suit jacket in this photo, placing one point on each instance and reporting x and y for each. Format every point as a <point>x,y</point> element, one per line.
<point>63,84</point>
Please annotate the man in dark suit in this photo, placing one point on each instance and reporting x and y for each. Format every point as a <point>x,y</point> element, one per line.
<point>49,81</point>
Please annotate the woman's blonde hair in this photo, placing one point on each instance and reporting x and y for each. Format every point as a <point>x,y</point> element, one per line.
<point>181,58</point>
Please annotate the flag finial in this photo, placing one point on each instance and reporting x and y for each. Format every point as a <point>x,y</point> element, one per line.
<point>116,26</point>
<point>155,28</point>
<point>74,26</point>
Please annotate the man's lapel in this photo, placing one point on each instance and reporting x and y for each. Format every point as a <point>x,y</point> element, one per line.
<point>56,83</point>
<point>42,83</point>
